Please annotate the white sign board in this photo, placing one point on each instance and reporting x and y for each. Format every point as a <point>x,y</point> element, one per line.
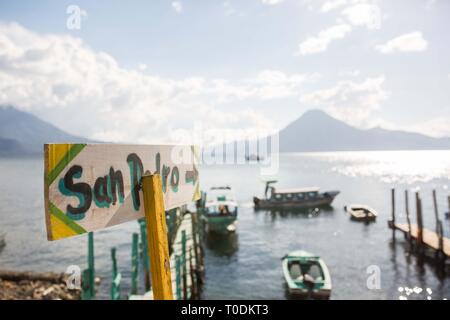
<point>94,186</point>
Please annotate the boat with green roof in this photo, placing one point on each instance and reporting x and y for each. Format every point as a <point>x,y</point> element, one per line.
<point>220,209</point>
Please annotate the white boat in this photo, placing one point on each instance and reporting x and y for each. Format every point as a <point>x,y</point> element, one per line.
<point>361,212</point>
<point>306,275</point>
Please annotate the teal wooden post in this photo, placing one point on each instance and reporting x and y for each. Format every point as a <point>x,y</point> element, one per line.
<point>178,276</point>
<point>170,226</point>
<point>193,278</point>
<point>85,290</point>
<point>183,263</point>
<point>91,264</point>
<point>134,263</point>
<point>145,257</point>
<point>88,276</point>
<point>194,220</point>
<point>115,286</point>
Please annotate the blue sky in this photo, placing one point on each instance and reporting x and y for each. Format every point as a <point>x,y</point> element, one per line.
<point>160,68</point>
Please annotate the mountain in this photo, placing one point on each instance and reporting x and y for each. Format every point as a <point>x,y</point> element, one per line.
<point>10,147</point>
<point>315,130</point>
<point>22,133</point>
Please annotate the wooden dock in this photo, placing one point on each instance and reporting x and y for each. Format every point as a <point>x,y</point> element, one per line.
<point>416,232</point>
<point>186,264</point>
<point>430,238</point>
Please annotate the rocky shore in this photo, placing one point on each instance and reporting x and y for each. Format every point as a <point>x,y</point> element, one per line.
<point>35,286</point>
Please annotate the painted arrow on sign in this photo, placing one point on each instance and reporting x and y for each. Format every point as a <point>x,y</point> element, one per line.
<point>191,176</point>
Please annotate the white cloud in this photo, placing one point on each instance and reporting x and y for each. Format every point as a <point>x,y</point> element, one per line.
<point>271,2</point>
<point>350,73</point>
<point>331,5</point>
<point>351,101</point>
<point>321,42</point>
<point>410,42</point>
<point>229,9</point>
<point>177,6</point>
<point>142,66</point>
<point>435,127</point>
<point>354,13</point>
<point>363,14</point>
<point>429,4</point>
<point>86,92</point>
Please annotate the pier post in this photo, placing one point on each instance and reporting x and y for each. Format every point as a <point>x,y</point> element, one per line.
<point>158,248</point>
<point>195,238</point>
<point>115,286</point>
<point>88,276</point>
<point>144,254</point>
<point>178,276</point>
<point>448,200</point>
<point>192,271</point>
<point>436,215</point>
<point>392,222</point>
<point>408,219</point>
<point>134,263</point>
<point>183,263</point>
<point>419,222</point>
<point>91,264</point>
<point>439,228</point>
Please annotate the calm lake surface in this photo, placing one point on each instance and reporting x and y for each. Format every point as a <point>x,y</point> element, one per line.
<point>246,264</point>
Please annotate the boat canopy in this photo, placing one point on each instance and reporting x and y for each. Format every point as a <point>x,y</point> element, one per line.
<point>297,190</point>
<point>222,194</point>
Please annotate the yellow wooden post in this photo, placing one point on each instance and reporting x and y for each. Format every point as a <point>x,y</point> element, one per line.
<point>158,249</point>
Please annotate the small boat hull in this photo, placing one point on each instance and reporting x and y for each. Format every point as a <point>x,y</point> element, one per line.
<point>361,213</point>
<point>325,199</point>
<point>221,223</point>
<point>320,294</point>
<point>321,288</point>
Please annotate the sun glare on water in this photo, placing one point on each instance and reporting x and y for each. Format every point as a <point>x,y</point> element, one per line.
<point>392,166</point>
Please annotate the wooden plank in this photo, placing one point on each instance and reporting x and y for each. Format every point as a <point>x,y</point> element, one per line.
<point>158,247</point>
<point>430,238</point>
<point>88,187</point>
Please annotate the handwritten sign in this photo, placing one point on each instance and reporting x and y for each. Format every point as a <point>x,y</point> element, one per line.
<point>94,186</point>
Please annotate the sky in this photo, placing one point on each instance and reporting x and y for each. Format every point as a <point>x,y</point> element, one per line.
<point>170,71</point>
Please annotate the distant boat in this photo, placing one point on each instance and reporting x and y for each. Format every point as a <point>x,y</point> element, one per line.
<point>306,275</point>
<point>2,241</point>
<point>361,212</point>
<point>254,157</point>
<point>220,209</point>
<point>293,198</point>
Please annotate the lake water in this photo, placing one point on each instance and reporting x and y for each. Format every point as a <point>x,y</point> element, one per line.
<point>246,264</point>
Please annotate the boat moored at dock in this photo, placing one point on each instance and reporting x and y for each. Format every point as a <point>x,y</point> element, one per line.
<point>293,198</point>
<point>220,209</point>
<point>306,275</point>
